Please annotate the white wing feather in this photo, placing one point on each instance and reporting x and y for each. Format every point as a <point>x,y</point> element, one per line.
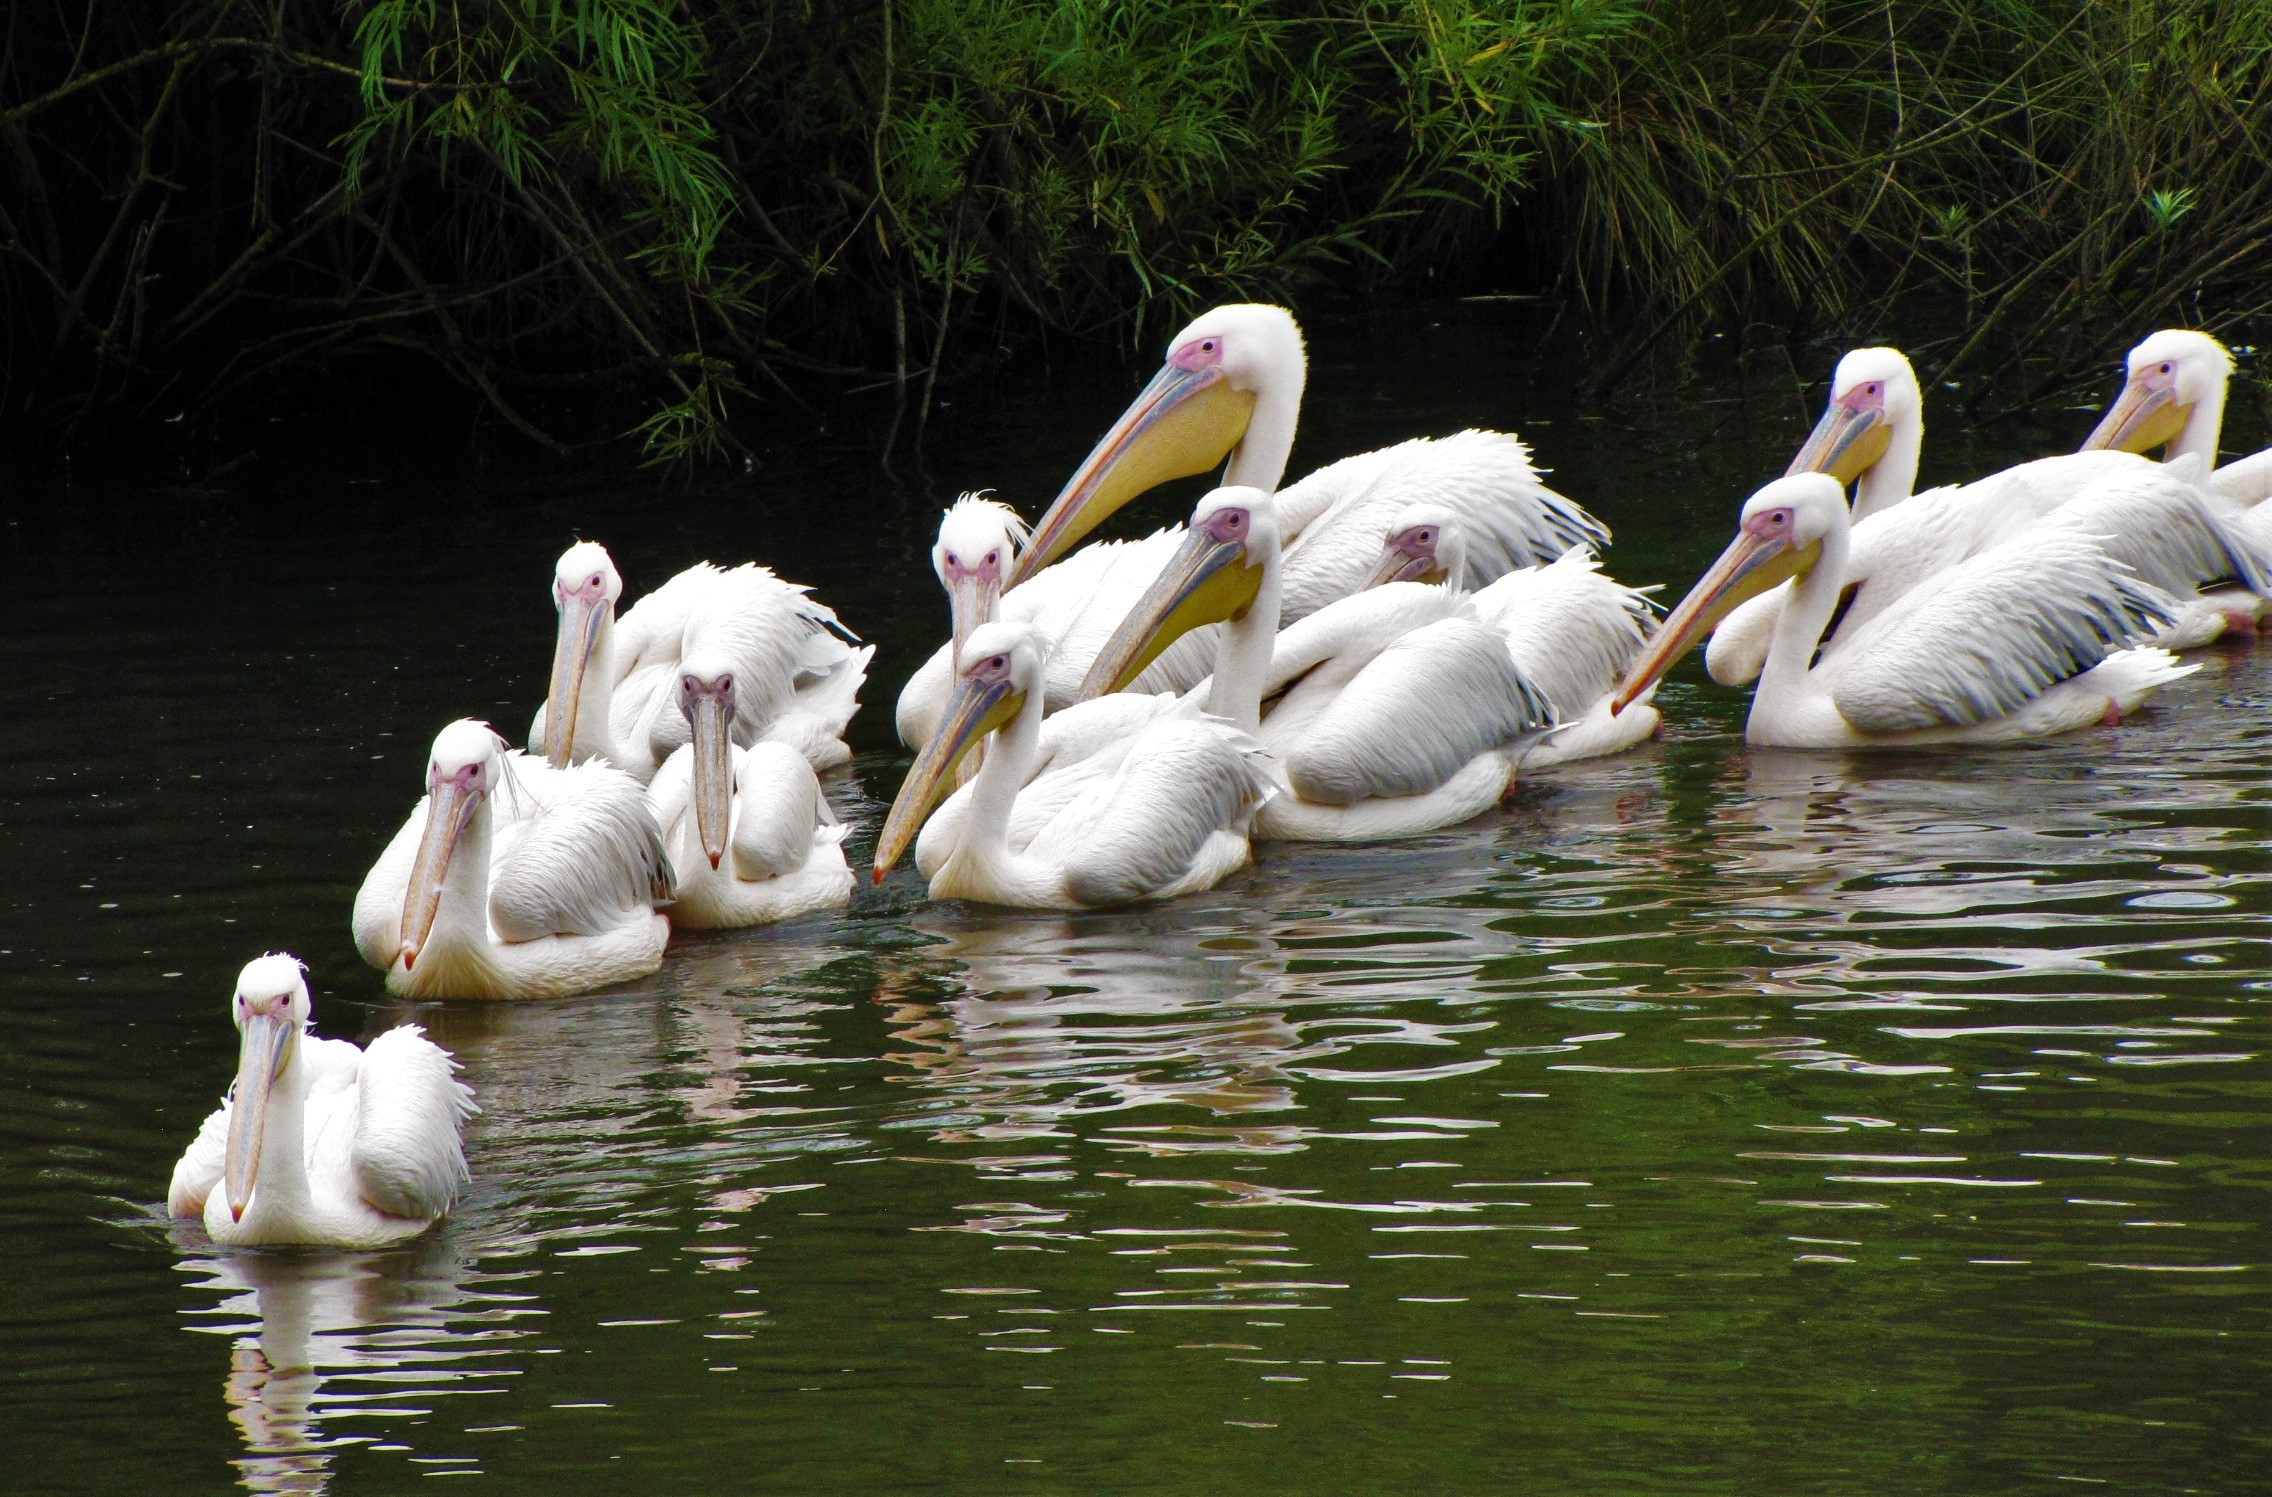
<point>1507,517</point>
<point>408,1154</point>
<point>1571,630</point>
<point>1138,825</point>
<point>1985,637</point>
<point>576,850</point>
<point>1415,715</point>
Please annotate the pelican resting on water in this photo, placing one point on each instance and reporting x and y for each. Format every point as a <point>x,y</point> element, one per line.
<point>513,879</point>
<point>320,1144</point>
<point>1570,630</point>
<point>1232,389</point>
<point>2025,639</point>
<point>750,836</point>
<point>1393,712</point>
<point>1164,812</point>
<point>2154,517</point>
<point>614,689</point>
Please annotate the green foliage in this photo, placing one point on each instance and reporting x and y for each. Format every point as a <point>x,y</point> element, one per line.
<point>717,201</point>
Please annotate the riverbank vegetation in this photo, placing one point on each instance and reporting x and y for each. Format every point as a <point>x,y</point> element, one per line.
<point>682,223</point>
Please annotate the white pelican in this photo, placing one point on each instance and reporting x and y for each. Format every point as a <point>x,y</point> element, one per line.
<point>614,688</point>
<point>513,879</point>
<point>2022,640</point>
<point>1570,630</point>
<point>1231,387</point>
<point>1074,605</point>
<point>1165,814</point>
<point>761,807</point>
<point>2154,517</point>
<point>320,1144</point>
<point>1394,712</point>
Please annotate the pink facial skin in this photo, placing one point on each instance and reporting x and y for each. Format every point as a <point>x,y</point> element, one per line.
<point>692,691</point>
<point>592,589</point>
<point>1227,525</point>
<point>1771,525</point>
<point>987,573</point>
<point>1867,396</point>
<point>469,779</point>
<point>1198,354</point>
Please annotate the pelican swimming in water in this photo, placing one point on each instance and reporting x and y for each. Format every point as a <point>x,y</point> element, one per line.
<point>513,879</point>
<point>1393,712</point>
<point>750,836</point>
<point>1232,389</point>
<point>2155,518</point>
<point>320,1144</point>
<point>1571,630</point>
<point>614,688</point>
<point>2022,640</point>
<point>1166,812</point>
<point>1073,605</point>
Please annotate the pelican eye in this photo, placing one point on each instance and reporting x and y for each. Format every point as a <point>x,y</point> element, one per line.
<point>2166,368</point>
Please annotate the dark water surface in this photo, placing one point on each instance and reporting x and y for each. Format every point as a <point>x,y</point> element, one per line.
<point>1709,1121</point>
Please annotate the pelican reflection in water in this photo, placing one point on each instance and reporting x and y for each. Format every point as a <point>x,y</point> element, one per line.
<point>332,1350</point>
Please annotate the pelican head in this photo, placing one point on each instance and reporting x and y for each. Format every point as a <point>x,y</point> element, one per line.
<point>270,1009</point>
<point>585,589</point>
<point>1223,372</point>
<point>706,696</point>
<point>978,543</point>
<point>1214,576</point>
<point>1423,545</point>
<point>997,672</point>
<point>1780,537</point>
<point>2167,377</point>
<point>1873,392</point>
<point>460,774</point>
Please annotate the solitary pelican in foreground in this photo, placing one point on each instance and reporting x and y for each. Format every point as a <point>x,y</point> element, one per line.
<point>614,689</point>
<point>1394,712</point>
<point>2154,517</point>
<point>2023,640</point>
<point>1570,630</point>
<point>320,1144</point>
<point>1165,812</point>
<point>750,836</point>
<point>513,879</point>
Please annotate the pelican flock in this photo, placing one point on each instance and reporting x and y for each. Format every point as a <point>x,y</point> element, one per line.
<point>1378,650</point>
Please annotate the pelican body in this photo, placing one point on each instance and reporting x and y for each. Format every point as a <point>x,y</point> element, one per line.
<point>1165,813</point>
<point>1230,393</point>
<point>2157,519</point>
<point>614,687</point>
<point>513,879</point>
<point>1570,630</point>
<point>1393,712</point>
<point>2025,639</point>
<point>320,1144</point>
<point>750,836</point>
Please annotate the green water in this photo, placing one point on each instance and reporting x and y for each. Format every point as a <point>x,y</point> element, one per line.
<point>1709,1121</point>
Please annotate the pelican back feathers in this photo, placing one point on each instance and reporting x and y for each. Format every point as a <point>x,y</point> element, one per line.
<point>577,851</point>
<point>407,1155</point>
<point>1984,638</point>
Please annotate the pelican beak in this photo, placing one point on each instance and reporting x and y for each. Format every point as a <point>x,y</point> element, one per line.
<point>1750,566</point>
<point>1186,421</point>
<point>262,1054</point>
<point>581,615</point>
<point>970,602</point>
<point>975,711</point>
<point>449,809</point>
<point>1206,582</point>
<point>2143,417</point>
<point>1399,565</point>
<point>1846,443</point>
<point>712,717</point>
